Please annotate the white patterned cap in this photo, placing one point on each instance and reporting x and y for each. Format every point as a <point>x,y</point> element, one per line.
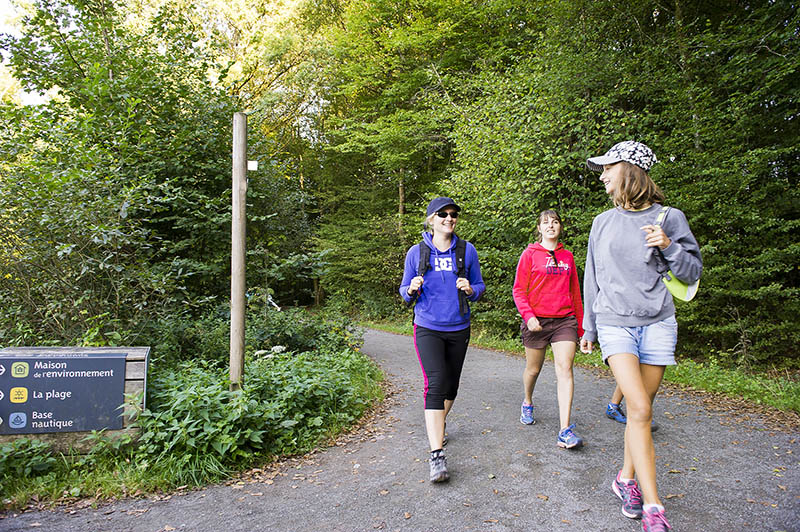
<point>629,151</point>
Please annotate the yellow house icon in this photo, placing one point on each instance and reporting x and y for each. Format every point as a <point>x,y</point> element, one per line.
<point>18,395</point>
<point>19,370</point>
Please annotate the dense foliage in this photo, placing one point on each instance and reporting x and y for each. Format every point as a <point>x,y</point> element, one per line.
<point>114,193</point>
<point>114,224</point>
<point>499,104</point>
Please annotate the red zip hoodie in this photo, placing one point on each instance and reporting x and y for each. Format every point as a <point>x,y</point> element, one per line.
<point>545,289</point>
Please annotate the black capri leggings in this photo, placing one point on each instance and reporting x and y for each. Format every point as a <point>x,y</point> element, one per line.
<point>441,355</point>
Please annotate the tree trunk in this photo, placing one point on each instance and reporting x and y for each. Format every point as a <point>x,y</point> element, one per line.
<point>685,68</point>
<point>401,193</point>
<point>401,203</point>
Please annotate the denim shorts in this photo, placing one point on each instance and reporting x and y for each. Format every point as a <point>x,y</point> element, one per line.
<point>654,344</point>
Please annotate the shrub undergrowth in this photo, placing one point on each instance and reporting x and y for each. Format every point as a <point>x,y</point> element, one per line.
<point>305,380</point>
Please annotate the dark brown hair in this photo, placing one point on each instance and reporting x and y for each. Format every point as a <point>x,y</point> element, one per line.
<point>636,189</point>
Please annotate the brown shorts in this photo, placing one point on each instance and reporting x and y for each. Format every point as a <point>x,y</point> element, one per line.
<point>553,330</point>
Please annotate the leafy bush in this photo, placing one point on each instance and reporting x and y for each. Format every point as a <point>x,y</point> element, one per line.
<point>207,338</point>
<point>25,458</point>
<point>294,279</point>
<point>299,331</point>
<point>364,250</point>
<point>288,402</point>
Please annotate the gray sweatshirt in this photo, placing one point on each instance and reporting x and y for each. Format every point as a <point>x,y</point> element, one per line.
<point>621,283</point>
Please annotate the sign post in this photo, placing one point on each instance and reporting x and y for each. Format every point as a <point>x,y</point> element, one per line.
<point>238,234</point>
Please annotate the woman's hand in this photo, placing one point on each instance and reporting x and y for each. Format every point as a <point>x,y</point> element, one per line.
<point>416,283</point>
<point>534,325</point>
<point>655,236</point>
<point>586,346</point>
<point>463,284</point>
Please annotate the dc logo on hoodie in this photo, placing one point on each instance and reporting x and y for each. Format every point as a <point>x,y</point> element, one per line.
<point>443,264</point>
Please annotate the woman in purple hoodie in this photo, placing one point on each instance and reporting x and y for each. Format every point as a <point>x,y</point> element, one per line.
<point>441,318</point>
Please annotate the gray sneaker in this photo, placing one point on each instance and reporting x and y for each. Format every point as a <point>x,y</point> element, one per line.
<point>439,467</point>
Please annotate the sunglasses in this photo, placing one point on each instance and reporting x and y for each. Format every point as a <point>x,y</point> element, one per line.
<point>444,214</point>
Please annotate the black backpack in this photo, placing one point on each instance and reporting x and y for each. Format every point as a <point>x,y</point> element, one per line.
<point>461,270</point>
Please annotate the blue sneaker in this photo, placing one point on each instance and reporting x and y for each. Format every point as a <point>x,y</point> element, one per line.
<point>615,412</point>
<point>568,439</point>
<point>526,415</point>
<point>629,494</point>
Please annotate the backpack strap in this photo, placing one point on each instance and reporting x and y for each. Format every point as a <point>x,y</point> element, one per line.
<point>424,259</point>
<point>461,271</point>
<point>461,252</point>
<point>661,215</point>
<point>423,264</point>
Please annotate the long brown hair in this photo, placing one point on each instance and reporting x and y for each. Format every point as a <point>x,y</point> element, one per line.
<point>636,190</point>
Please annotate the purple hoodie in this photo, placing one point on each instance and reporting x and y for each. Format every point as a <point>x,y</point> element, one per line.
<point>437,303</point>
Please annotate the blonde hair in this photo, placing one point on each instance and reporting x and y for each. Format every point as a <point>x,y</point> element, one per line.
<point>636,189</point>
<point>428,224</point>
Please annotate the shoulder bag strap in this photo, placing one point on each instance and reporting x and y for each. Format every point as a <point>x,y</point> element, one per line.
<point>662,267</point>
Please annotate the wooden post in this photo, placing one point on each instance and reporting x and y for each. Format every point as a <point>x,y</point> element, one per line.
<point>238,231</point>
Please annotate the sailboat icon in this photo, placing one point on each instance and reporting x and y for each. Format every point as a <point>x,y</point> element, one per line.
<point>18,420</point>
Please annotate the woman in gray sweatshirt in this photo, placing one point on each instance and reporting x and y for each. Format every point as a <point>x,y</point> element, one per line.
<point>630,311</point>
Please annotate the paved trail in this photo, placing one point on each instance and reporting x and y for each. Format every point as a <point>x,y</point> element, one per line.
<point>715,472</point>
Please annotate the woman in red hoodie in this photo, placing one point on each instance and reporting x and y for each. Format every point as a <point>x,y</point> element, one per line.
<point>547,294</point>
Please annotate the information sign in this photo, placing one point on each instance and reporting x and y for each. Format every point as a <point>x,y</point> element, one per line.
<point>67,392</point>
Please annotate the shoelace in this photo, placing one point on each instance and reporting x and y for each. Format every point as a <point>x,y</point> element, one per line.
<point>634,495</point>
<point>656,522</point>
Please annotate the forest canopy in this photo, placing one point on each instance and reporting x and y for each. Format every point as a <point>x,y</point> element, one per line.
<point>115,191</point>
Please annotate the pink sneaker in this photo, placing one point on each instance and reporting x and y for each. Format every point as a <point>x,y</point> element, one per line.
<point>654,521</point>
